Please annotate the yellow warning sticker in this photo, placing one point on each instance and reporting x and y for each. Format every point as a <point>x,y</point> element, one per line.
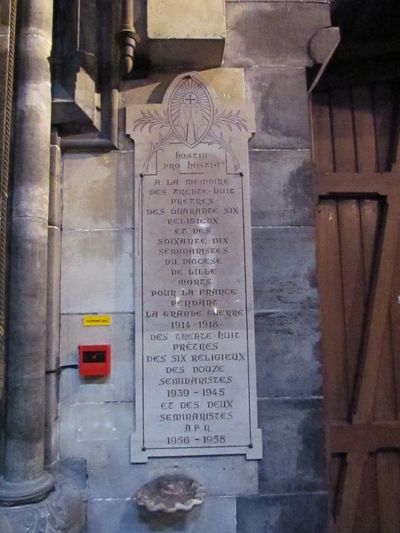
<point>97,320</point>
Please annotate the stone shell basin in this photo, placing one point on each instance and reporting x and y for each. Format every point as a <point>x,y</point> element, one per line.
<point>170,494</point>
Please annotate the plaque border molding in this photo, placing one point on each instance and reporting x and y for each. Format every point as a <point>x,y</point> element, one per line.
<point>158,117</point>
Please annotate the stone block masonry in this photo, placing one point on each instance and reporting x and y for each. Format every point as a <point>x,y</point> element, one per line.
<point>287,326</point>
<point>186,33</point>
<point>266,43</point>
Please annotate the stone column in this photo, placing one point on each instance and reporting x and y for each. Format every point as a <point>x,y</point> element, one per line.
<point>25,479</point>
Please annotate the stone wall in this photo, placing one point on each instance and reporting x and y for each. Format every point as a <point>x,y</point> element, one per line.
<point>285,492</point>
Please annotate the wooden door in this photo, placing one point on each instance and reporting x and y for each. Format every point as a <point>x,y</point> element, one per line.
<point>357,191</point>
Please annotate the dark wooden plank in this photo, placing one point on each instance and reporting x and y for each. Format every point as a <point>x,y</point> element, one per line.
<point>322,132</point>
<point>396,156</point>
<point>369,211</point>
<point>337,467</point>
<point>396,135</point>
<point>352,267</point>
<point>346,437</point>
<point>353,183</point>
<point>394,327</point>
<point>388,466</point>
<point>351,492</point>
<point>386,392</point>
<point>384,113</point>
<point>333,327</point>
<point>343,131</point>
<point>367,520</point>
<point>385,396</point>
<point>364,129</point>
<point>394,324</point>
<point>385,408</point>
<point>379,304</point>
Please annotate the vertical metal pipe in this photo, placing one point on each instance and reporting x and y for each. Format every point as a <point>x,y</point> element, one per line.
<point>25,479</point>
<point>127,37</point>
<point>53,303</point>
<point>127,11</point>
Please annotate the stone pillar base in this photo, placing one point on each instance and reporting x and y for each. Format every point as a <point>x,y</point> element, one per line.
<point>63,511</point>
<point>23,492</point>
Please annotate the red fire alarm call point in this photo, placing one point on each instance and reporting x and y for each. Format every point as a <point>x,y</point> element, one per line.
<point>94,360</point>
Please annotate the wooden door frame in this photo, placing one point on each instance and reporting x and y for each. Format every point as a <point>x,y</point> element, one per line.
<point>360,435</point>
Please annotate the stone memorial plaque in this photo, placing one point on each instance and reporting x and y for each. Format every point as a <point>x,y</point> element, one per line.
<point>195,358</point>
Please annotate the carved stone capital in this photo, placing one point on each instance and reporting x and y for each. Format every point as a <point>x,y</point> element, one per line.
<point>63,511</point>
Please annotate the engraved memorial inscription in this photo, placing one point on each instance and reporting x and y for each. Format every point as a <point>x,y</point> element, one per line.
<point>195,362</point>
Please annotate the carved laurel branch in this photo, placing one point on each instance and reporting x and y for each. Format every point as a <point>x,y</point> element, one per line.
<point>214,138</point>
<point>227,119</point>
<point>230,119</point>
<point>158,146</point>
<point>151,119</point>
